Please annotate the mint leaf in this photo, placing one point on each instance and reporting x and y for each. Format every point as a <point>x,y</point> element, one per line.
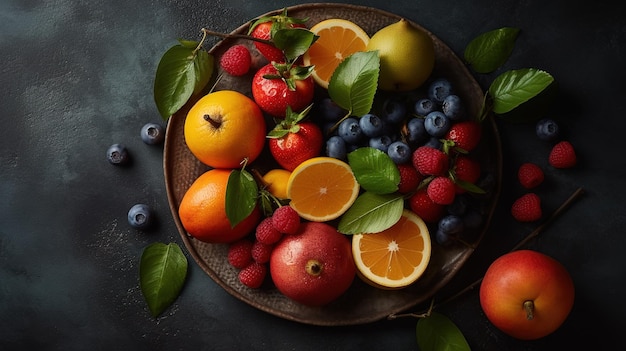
<point>183,71</point>
<point>354,82</point>
<point>293,42</point>
<point>162,274</point>
<point>374,170</point>
<point>438,333</point>
<point>372,213</point>
<point>490,50</point>
<point>241,196</point>
<point>513,88</point>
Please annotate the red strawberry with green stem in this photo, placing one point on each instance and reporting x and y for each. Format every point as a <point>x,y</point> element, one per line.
<point>293,140</point>
<point>277,86</point>
<point>265,27</point>
<point>465,135</point>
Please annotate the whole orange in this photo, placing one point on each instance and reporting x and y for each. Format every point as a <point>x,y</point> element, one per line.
<point>225,127</point>
<point>313,266</point>
<point>527,294</point>
<point>202,210</point>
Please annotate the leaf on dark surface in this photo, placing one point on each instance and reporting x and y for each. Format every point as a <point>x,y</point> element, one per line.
<point>438,333</point>
<point>490,50</point>
<point>515,87</point>
<point>162,274</point>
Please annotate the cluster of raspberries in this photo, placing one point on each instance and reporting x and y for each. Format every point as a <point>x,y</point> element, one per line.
<point>252,255</point>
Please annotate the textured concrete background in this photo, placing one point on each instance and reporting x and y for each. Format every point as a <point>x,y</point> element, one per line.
<point>77,76</point>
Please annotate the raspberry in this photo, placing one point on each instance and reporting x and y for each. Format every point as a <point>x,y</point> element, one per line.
<point>286,220</point>
<point>253,275</point>
<point>424,207</point>
<point>441,190</point>
<point>530,175</point>
<point>236,60</point>
<point>466,170</point>
<point>409,178</point>
<point>430,161</point>
<point>261,252</point>
<point>240,253</point>
<point>266,233</point>
<point>562,155</point>
<point>527,208</point>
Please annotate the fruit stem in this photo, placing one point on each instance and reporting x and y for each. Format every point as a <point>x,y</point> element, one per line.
<point>529,307</point>
<point>239,36</point>
<point>215,123</point>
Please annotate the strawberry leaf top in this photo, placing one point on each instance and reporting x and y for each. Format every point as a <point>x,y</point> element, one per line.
<point>290,124</point>
<point>290,73</point>
<point>280,21</point>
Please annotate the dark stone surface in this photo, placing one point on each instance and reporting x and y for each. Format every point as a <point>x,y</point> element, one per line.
<point>77,77</point>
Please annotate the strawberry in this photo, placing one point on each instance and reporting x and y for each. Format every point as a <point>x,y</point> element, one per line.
<point>527,208</point>
<point>240,253</point>
<point>410,178</point>
<point>441,190</point>
<point>430,161</point>
<point>253,275</point>
<point>264,29</point>
<point>278,85</point>
<point>292,141</point>
<point>562,155</point>
<point>424,207</point>
<point>466,172</point>
<point>261,252</point>
<point>286,220</point>
<point>266,233</point>
<point>465,135</point>
<point>530,175</point>
<point>236,60</point>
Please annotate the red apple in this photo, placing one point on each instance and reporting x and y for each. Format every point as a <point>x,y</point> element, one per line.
<point>313,266</point>
<point>527,294</point>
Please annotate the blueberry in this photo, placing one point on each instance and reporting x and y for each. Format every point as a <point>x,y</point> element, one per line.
<point>371,125</point>
<point>117,154</point>
<point>424,106</point>
<point>416,131</point>
<point>152,133</point>
<point>399,152</point>
<point>453,107</point>
<point>350,130</point>
<point>140,216</point>
<point>451,224</point>
<point>336,147</point>
<point>328,110</point>
<point>439,89</point>
<point>437,124</point>
<point>443,238</point>
<point>381,143</point>
<point>547,129</point>
<point>394,111</point>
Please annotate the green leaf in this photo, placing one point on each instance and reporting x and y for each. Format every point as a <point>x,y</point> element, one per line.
<point>374,170</point>
<point>372,213</point>
<point>162,274</point>
<point>513,88</point>
<point>294,42</point>
<point>182,72</point>
<point>490,50</point>
<point>241,196</point>
<point>438,333</point>
<point>354,82</point>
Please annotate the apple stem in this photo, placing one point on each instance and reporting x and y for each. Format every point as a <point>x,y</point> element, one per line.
<point>215,123</point>
<point>529,307</point>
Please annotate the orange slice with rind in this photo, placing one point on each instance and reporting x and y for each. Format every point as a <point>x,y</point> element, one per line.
<point>322,188</point>
<point>396,257</point>
<point>338,39</point>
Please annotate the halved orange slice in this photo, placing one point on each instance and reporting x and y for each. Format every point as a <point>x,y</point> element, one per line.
<point>338,39</point>
<point>322,188</point>
<point>395,257</point>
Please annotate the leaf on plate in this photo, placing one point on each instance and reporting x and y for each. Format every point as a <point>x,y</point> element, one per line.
<point>162,274</point>
<point>513,88</point>
<point>294,42</point>
<point>241,196</point>
<point>490,50</point>
<point>372,213</point>
<point>354,82</point>
<point>183,71</point>
<point>438,333</point>
<point>374,170</point>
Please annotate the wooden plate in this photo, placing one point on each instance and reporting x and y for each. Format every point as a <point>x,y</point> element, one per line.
<point>361,303</point>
